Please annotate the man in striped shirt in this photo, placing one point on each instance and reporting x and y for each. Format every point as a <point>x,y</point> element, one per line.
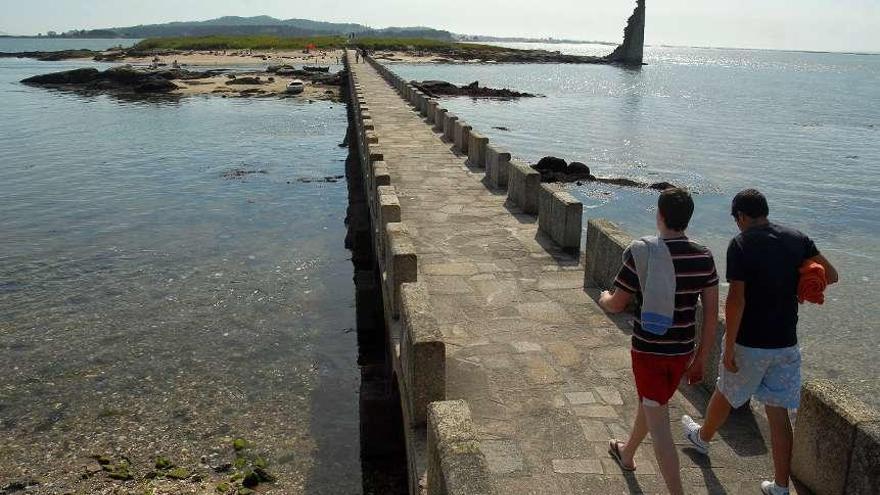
<point>659,362</point>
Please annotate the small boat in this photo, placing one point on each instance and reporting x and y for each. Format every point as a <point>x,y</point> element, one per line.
<point>315,68</point>
<point>295,87</point>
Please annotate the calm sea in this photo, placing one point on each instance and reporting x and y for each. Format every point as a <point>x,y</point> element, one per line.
<point>12,45</point>
<point>153,301</point>
<point>802,127</point>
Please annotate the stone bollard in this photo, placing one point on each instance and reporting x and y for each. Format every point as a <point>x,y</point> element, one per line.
<point>422,352</point>
<point>440,119</point>
<point>381,175</point>
<point>449,127</point>
<point>523,183</point>
<point>603,253</point>
<point>456,465</point>
<point>559,216</point>
<point>462,134</point>
<point>476,149</point>
<point>401,264</point>
<point>432,109</point>
<point>497,164</point>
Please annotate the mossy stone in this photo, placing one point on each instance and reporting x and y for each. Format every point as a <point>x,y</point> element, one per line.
<point>239,444</point>
<point>178,474</point>
<point>264,475</point>
<point>222,487</point>
<point>251,479</point>
<point>163,462</point>
<point>120,472</point>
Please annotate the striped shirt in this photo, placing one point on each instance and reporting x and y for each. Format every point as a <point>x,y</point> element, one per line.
<point>694,271</point>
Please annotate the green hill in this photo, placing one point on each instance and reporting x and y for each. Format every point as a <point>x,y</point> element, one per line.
<point>254,26</point>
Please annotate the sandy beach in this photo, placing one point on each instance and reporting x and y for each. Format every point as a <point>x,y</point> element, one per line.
<point>249,58</point>
<point>217,85</point>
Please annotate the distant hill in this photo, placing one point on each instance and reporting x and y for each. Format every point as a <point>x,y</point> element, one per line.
<point>250,26</point>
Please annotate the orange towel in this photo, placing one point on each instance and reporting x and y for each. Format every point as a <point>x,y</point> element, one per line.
<point>811,287</point>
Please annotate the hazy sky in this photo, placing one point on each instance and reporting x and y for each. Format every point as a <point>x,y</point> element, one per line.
<point>792,24</point>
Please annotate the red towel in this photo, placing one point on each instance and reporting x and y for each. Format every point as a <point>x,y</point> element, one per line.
<point>811,287</point>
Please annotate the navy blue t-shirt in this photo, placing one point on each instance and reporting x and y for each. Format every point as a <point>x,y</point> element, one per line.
<point>767,259</point>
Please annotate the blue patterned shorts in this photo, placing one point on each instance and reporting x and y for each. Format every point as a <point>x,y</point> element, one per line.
<point>772,376</point>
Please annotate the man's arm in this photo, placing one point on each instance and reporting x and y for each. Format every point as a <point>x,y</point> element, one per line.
<point>615,302</point>
<point>709,297</point>
<point>830,272</point>
<point>733,311</point>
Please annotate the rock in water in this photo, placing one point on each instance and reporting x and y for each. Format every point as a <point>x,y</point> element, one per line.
<point>123,79</point>
<point>555,169</point>
<point>550,164</point>
<point>438,88</point>
<point>155,85</point>
<point>75,76</point>
<point>661,186</point>
<point>579,169</point>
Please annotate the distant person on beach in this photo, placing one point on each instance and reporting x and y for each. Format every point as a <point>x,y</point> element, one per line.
<point>666,275</point>
<point>760,353</point>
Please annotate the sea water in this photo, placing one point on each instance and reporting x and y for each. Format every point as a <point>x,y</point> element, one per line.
<point>173,275</point>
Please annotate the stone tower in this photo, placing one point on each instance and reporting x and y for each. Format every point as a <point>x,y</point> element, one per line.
<point>630,52</point>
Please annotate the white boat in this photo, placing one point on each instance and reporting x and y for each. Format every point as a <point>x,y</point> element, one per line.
<point>295,87</point>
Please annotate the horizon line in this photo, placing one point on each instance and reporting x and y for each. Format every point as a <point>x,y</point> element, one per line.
<point>527,39</point>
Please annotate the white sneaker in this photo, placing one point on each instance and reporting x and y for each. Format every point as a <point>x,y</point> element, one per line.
<point>771,488</point>
<point>692,433</point>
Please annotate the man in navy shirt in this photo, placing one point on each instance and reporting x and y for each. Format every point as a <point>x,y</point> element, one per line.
<point>760,355</point>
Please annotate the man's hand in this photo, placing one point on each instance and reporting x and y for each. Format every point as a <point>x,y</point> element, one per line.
<point>604,297</point>
<point>730,361</point>
<point>614,302</point>
<point>695,370</point>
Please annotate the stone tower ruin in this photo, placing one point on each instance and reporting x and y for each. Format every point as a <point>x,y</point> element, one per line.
<point>630,52</point>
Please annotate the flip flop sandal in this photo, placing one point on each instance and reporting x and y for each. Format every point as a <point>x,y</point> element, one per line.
<point>614,450</point>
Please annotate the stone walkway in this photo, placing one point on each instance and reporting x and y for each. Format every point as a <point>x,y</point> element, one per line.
<point>546,373</point>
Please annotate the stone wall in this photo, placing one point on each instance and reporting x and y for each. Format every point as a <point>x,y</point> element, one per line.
<point>414,337</point>
<point>836,442</point>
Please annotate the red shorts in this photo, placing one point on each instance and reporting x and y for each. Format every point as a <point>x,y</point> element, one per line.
<point>657,377</point>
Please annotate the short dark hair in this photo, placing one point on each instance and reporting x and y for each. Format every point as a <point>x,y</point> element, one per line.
<point>751,203</point>
<point>677,207</point>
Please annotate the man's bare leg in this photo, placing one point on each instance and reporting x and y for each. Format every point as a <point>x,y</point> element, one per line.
<point>636,436</point>
<point>781,440</point>
<point>657,419</point>
<point>716,415</point>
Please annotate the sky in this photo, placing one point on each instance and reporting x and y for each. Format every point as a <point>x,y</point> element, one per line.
<point>833,25</point>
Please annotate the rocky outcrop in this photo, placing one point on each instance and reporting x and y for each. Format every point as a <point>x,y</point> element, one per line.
<point>553,169</point>
<point>252,80</point>
<point>52,56</point>
<point>631,51</point>
<point>474,90</point>
<point>123,78</point>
